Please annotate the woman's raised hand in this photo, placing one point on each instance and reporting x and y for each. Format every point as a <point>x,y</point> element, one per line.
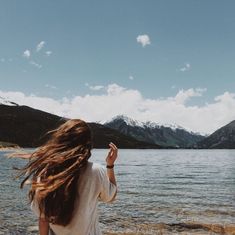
<point>112,154</point>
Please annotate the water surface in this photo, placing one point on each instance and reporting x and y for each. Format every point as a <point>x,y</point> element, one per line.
<point>160,192</point>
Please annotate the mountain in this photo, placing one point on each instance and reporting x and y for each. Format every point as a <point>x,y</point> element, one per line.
<point>27,127</point>
<point>168,136</point>
<point>103,135</point>
<point>223,138</point>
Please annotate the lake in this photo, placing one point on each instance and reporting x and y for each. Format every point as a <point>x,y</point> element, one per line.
<point>160,192</point>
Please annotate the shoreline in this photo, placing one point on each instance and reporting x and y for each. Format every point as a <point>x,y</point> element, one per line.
<point>169,229</point>
<point>178,228</point>
<point>2,148</point>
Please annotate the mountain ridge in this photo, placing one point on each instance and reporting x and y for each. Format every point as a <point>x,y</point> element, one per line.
<point>135,122</point>
<point>169,136</point>
<point>27,127</point>
<point>222,138</point>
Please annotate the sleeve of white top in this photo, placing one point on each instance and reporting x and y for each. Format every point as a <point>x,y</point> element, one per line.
<point>35,208</point>
<point>34,205</point>
<point>108,189</point>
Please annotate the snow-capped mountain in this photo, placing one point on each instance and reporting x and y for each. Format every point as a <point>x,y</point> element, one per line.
<point>129,121</point>
<point>149,124</point>
<point>4,101</point>
<point>162,134</point>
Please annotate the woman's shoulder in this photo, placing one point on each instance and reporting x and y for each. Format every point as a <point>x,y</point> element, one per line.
<point>94,171</point>
<point>96,167</point>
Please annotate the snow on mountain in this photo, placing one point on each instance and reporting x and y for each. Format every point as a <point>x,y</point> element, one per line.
<point>129,121</point>
<point>170,135</point>
<point>4,101</point>
<point>147,124</point>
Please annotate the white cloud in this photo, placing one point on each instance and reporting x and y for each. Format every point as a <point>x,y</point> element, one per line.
<point>186,67</point>
<point>40,46</point>
<point>26,54</point>
<point>143,39</point>
<point>131,77</point>
<point>119,100</point>
<point>114,89</point>
<point>3,60</point>
<point>39,66</point>
<point>48,53</point>
<point>94,88</point>
<point>182,96</point>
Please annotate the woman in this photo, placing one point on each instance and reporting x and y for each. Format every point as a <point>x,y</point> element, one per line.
<point>65,186</point>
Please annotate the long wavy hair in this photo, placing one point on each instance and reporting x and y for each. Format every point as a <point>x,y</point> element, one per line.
<point>54,168</point>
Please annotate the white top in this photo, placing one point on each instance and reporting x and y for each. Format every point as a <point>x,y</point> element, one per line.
<point>93,185</point>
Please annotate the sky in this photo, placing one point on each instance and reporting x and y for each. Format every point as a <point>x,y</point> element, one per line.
<point>165,61</point>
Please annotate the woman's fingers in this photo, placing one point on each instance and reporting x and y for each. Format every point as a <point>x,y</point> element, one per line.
<point>112,154</point>
<point>113,146</point>
<point>113,151</point>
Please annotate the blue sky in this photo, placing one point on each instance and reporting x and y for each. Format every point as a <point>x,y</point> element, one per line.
<point>86,46</point>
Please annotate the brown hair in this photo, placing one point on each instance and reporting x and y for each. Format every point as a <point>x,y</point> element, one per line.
<point>54,169</point>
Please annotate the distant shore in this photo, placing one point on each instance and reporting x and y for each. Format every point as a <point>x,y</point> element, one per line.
<point>5,148</point>
<point>8,146</point>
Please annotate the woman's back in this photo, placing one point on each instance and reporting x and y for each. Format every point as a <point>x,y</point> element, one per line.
<point>93,185</point>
